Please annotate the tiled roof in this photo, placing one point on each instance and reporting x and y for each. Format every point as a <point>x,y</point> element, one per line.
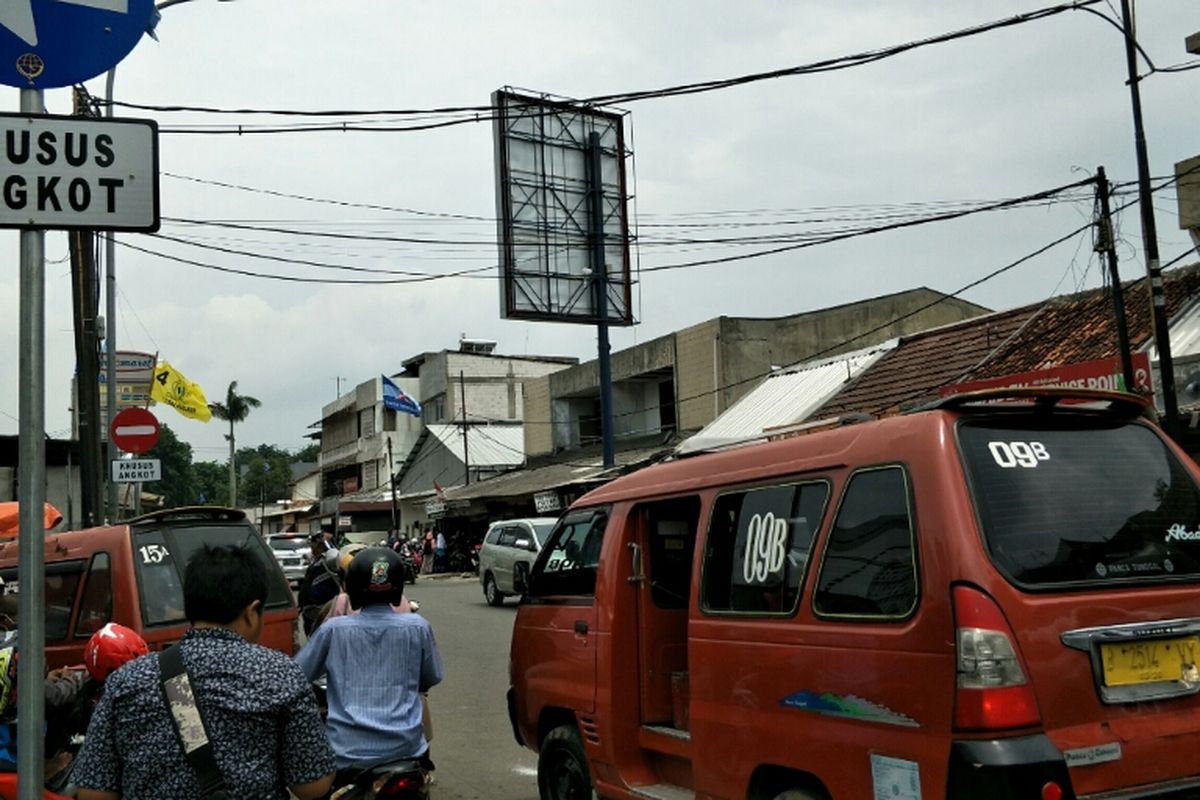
<point>1082,327</point>
<point>1065,330</point>
<point>921,363</point>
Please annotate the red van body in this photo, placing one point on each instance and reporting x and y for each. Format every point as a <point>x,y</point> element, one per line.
<point>977,600</point>
<point>132,574</point>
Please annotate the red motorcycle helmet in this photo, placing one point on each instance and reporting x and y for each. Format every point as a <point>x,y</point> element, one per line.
<point>111,647</point>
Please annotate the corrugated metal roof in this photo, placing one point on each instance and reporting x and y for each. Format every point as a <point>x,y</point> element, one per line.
<point>487,445</point>
<point>579,469</point>
<point>1185,334</point>
<point>785,397</point>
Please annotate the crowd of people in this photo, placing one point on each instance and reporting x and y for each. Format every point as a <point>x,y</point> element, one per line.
<point>218,715</point>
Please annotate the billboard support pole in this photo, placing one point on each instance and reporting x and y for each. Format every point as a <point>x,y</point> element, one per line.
<point>31,568</point>
<point>600,284</point>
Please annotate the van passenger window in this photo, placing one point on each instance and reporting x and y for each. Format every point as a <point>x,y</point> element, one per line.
<point>568,565</point>
<point>62,582</point>
<point>508,537</point>
<point>869,568</point>
<point>670,542</point>
<point>758,545</point>
<point>95,609</point>
<point>162,554</point>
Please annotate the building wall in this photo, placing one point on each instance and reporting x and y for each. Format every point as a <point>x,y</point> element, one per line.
<point>716,362</point>
<point>493,384</point>
<point>749,348</point>
<point>539,435</point>
<point>697,373</point>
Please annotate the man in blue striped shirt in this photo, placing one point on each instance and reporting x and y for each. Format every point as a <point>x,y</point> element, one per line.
<point>377,664</point>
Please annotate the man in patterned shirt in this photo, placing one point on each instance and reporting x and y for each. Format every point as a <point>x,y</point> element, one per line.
<point>258,708</point>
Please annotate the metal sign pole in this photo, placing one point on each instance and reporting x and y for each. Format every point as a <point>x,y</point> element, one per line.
<point>110,354</point>
<point>31,596</point>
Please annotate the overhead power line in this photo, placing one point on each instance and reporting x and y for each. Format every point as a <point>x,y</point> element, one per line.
<point>470,114</point>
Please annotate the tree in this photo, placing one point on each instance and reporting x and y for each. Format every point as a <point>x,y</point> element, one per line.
<point>309,454</point>
<point>210,481</point>
<point>264,474</point>
<point>235,409</point>
<point>178,484</point>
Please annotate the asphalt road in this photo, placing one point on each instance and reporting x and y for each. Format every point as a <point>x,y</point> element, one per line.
<point>473,746</point>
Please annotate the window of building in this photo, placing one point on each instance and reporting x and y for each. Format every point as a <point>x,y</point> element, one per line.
<point>869,567</point>
<point>366,422</point>
<point>389,419</point>
<point>758,547</point>
<point>568,566</point>
<point>434,409</point>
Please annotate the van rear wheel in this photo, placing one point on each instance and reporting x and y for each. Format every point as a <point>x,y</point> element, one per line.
<point>562,766</point>
<point>491,592</point>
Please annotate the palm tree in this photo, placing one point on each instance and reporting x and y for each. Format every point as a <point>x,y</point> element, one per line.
<point>235,409</point>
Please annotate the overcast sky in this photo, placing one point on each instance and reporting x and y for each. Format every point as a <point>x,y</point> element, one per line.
<point>993,116</point>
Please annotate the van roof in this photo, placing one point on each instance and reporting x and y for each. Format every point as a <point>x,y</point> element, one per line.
<point>828,447</point>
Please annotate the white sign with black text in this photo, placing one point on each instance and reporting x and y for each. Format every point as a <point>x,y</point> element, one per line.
<point>136,470</point>
<point>74,172</point>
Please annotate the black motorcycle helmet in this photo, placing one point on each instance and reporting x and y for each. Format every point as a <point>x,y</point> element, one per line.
<point>375,577</point>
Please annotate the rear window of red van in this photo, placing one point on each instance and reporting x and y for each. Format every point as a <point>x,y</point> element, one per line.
<point>1081,501</point>
<point>162,553</point>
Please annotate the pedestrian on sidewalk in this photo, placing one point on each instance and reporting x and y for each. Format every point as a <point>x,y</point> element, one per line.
<point>439,552</point>
<point>427,553</point>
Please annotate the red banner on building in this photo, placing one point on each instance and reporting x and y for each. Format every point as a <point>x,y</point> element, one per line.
<point>1103,373</point>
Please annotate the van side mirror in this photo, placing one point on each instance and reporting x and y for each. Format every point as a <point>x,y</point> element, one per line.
<point>522,544</point>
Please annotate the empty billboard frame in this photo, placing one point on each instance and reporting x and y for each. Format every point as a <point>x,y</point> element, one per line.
<point>545,227</point>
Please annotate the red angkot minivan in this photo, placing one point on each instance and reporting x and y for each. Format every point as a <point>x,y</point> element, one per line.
<point>997,596</point>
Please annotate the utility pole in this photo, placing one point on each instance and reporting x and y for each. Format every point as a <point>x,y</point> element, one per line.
<point>462,391</point>
<point>87,359</point>
<point>1158,302</point>
<point>1106,243</point>
<point>392,484</point>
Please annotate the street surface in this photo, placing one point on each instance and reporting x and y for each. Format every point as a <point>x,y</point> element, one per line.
<point>476,755</point>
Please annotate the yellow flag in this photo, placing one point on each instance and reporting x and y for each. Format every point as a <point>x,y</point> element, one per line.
<point>169,386</point>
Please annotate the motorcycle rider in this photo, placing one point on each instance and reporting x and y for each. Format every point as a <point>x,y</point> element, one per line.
<point>377,664</point>
<point>340,605</point>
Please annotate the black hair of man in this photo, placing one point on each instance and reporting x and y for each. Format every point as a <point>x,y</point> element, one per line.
<point>220,581</point>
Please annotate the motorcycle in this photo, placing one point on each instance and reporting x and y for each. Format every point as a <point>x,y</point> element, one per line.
<point>402,779</point>
<point>394,779</point>
<point>411,560</point>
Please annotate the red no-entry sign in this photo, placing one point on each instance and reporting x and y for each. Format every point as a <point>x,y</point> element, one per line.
<point>134,430</point>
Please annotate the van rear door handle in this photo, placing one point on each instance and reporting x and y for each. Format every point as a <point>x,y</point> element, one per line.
<point>581,627</point>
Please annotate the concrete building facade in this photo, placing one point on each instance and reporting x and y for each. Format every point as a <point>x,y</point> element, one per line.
<point>472,383</point>
<point>682,381</point>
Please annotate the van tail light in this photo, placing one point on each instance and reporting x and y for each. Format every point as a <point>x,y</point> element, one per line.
<point>993,692</point>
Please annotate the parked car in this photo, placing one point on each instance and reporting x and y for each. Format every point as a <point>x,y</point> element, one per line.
<point>291,551</point>
<point>509,547</point>
<point>132,573</point>
<point>995,596</point>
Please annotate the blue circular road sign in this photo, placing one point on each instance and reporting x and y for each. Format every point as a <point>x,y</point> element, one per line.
<point>45,44</point>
